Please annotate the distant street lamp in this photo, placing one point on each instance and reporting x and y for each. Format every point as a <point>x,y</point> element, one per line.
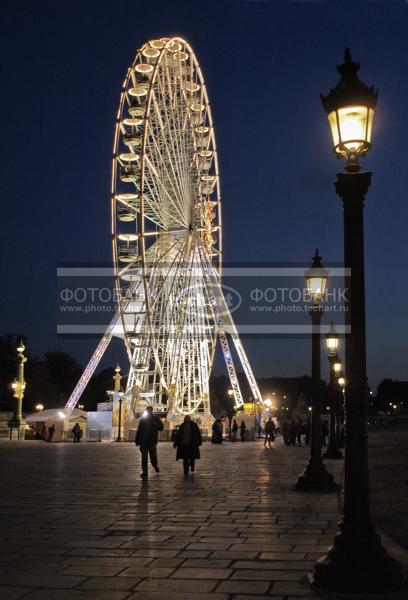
<point>315,476</point>
<point>39,407</point>
<point>117,379</point>
<point>357,562</point>
<point>338,369</point>
<point>332,344</point>
<point>18,386</point>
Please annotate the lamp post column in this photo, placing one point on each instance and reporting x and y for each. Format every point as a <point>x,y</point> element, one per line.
<point>18,387</point>
<point>357,561</point>
<point>339,416</point>
<point>117,379</point>
<point>315,476</point>
<point>333,451</point>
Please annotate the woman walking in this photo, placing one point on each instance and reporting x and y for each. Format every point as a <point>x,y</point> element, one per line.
<point>187,441</point>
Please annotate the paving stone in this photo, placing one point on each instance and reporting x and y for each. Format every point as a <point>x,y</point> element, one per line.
<point>145,572</point>
<point>177,596</point>
<point>239,587</point>
<point>292,589</point>
<point>256,597</point>
<point>59,594</point>
<point>156,553</point>
<point>37,580</point>
<point>268,575</point>
<point>216,563</point>
<point>197,554</point>
<point>92,570</point>
<point>111,561</point>
<point>201,573</point>
<point>169,586</point>
<point>109,583</point>
<point>234,554</point>
<point>270,564</point>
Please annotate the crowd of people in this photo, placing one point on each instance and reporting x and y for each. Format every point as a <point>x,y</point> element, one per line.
<point>217,434</point>
<point>47,435</point>
<point>44,434</point>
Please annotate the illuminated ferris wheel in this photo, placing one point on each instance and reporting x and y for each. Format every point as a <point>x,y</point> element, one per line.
<point>167,237</point>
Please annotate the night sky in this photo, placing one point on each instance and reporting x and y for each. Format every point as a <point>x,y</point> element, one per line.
<point>265,64</point>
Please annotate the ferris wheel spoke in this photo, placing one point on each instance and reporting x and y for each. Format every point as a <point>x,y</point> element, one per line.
<point>172,150</point>
<point>163,194</point>
<point>176,145</point>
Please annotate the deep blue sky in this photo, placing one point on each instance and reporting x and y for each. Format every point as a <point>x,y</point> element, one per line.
<point>265,64</point>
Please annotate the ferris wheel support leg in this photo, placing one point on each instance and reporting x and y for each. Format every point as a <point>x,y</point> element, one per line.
<point>91,366</point>
<point>231,369</point>
<point>229,325</point>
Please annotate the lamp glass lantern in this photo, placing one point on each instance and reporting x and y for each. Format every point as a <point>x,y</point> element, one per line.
<point>332,341</point>
<point>350,108</point>
<point>337,367</point>
<point>316,279</point>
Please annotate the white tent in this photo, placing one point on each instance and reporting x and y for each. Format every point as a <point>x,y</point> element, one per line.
<point>54,414</point>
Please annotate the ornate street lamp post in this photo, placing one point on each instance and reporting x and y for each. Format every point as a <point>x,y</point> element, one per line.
<point>18,387</point>
<point>315,476</point>
<point>332,344</point>
<point>357,562</point>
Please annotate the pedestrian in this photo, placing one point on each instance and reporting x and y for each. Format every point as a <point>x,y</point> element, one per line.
<point>270,432</point>
<point>243,430</point>
<point>216,437</point>
<point>324,432</point>
<point>43,433</point>
<point>285,431</point>
<point>77,432</point>
<point>188,441</point>
<point>220,430</point>
<point>146,438</point>
<point>51,431</point>
<point>234,431</point>
<point>291,433</point>
<point>308,428</point>
<point>299,428</point>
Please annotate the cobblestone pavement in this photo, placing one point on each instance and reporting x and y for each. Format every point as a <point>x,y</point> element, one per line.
<point>77,522</point>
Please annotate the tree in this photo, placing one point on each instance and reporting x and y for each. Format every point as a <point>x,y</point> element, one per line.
<point>96,389</point>
<point>63,372</point>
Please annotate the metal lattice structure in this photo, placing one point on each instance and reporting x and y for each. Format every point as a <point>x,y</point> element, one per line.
<point>167,237</point>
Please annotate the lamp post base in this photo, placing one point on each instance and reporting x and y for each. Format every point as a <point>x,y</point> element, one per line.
<point>333,453</point>
<point>357,564</point>
<point>316,479</point>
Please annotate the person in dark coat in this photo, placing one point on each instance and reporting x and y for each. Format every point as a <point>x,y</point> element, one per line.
<point>292,433</point>
<point>285,431</point>
<point>242,430</point>
<point>51,431</point>
<point>188,441</point>
<point>234,431</point>
<point>299,431</point>
<point>216,437</point>
<point>325,432</point>
<point>270,432</point>
<point>77,432</point>
<point>146,438</point>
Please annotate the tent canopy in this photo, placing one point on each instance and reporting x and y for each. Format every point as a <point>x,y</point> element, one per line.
<point>54,413</point>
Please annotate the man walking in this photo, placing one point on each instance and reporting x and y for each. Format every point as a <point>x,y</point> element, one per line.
<point>146,438</point>
<point>270,431</point>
